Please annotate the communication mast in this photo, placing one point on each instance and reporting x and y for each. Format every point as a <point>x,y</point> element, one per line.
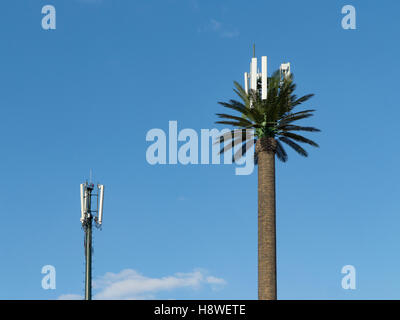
<point>254,78</point>
<point>87,217</point>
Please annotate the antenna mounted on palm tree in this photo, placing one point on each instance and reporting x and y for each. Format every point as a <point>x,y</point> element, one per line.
<point>259,80</point>
<point>267,108</point>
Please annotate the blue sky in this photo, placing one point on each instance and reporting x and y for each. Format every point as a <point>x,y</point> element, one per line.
<point>84,96</point>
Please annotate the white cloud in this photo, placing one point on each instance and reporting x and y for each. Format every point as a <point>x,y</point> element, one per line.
<point>219,28</point>
<point>195,4</point>
<point>214,280</point>
<point>230,34</point>
<point>129,284</point>
<point>90,1</point>
<point>215,25</point>
<point>70,297</point>
<point>216,283</point>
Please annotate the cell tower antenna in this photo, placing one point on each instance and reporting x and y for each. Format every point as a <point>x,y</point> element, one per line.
<point>87,218</point>
<point>254,78</point>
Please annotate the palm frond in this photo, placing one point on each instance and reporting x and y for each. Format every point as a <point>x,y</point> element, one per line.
<point>280,152</point>
<point>241,92</point>
<point>249,113</point>
<point>294,146</point>
<point>237,106</point>
<point>273,117</point>
<point>292,117</point>
<point>243,150</point>
<point>302,99</point>
<point>235,124</point>
<point>291,127</point>
<point>235,141</point>
<point>230,135</point>
<point>228,116</point>
<point>299,138</point>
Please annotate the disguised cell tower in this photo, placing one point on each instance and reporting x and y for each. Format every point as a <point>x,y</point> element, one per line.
<point>254,78</point>
<point>87,218</point>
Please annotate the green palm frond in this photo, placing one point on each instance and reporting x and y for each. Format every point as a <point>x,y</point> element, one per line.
<point>294,117</point>
<point>299,138</point>
<point>243,150</point>
<point>230,135</point>
<point>235,141</point>
<point>273,117</point>
<point>280,152</point>
<point>294,146</point>
<point>302,99</point>
<point>241,119</point>
<point>291,127</point>
<point>241,93</point>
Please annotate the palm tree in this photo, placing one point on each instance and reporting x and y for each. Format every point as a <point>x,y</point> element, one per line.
<point>273,122</point>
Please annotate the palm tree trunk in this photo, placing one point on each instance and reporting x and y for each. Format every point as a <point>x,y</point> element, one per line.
<point>265,149</point>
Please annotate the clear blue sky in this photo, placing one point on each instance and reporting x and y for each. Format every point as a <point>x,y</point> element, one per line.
<point>84,96</point>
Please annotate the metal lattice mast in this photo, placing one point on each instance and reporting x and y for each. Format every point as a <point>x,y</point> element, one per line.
<point>87,224</point>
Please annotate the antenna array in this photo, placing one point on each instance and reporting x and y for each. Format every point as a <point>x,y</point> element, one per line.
<point>87,218</point>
